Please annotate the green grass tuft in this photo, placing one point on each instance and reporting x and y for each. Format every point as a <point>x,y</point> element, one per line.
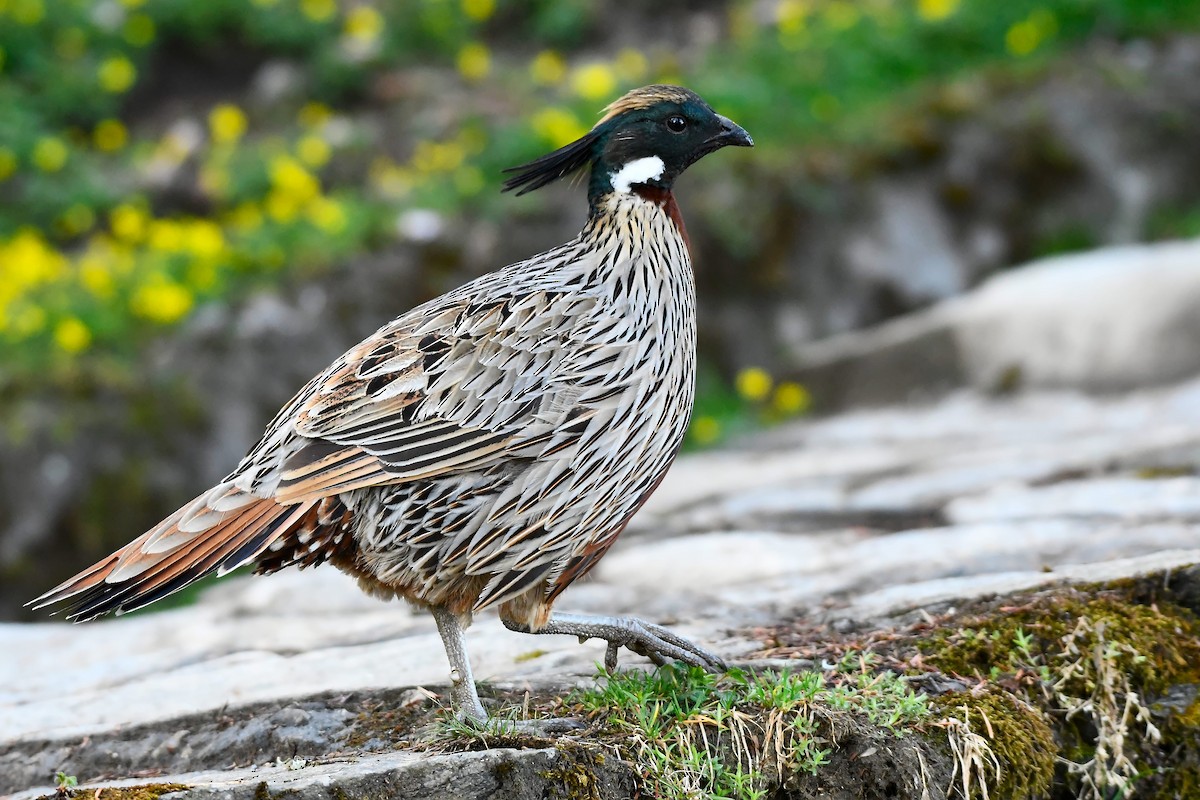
<point>742,734</point>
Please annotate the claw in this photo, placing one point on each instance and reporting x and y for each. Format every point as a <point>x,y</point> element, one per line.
<point>644,638</point>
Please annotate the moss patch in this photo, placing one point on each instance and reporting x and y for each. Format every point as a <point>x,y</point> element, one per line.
<point>576,772</point>
<point>148,791</point>
<point>1086,691</point>
<point>1106,664</point>
<point>1018,737</point>
<point>1157,645</point>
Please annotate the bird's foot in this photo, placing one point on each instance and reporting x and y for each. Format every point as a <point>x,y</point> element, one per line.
<point>551,726</point>
<point>660,645</point>
<point>655,642</point>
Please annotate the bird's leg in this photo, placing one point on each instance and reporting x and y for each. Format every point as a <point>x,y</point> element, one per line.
<point>644,638</point>
<point>463,696</point>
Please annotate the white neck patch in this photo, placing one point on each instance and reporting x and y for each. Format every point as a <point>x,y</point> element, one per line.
<point>637,171</point>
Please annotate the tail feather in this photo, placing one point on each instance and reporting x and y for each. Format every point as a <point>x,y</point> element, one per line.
<point>143,571</point>
<point>171,575</point>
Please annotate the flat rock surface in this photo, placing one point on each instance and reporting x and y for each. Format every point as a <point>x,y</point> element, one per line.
<point>1109,319</point>
<point>851,516</point>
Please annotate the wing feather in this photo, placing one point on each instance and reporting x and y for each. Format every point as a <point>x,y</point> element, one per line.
<point>433,393</point>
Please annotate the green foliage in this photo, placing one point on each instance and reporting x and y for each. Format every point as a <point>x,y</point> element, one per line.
<point>739,735</point>
<point>842,64</point>
<point>1174,223</point>
<point>116,222</point>
<point>754,400</point>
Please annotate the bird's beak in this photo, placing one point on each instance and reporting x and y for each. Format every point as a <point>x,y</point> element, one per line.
<point>731,134</point>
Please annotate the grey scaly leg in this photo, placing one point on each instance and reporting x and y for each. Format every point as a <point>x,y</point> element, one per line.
<point>463,696</point>
<point>645,638</point>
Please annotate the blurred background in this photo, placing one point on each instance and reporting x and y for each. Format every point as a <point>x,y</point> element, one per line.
<point>203,202</point>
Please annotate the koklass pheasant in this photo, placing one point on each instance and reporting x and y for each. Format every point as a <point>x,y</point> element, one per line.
<point>487,447</point>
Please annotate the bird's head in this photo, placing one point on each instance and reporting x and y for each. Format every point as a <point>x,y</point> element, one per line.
<point>646,138</point>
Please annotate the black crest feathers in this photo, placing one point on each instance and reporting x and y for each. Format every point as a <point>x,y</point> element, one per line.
<point>552,166</point>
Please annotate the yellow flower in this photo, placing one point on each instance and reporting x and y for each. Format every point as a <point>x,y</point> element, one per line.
<point>791,16</point>
<point>8,163</point>
<point>281,206</point>
<point>116,74</point>
<point>478,10</point>
<point>139,30</point>
<point>364,23</point>
<point>162,301</point>
<point>791,398</point>
<point>96,276</point>
<point>327,214</point>
<point>318,10</point>
<point>474,61</point>
<point>753,383</point>
<point>246,217</point>
<point>594,81</point>
<point>72,336</point>
<point>389,179</point>
<point>110,135</point>
<point>558,126</point>
<point>705,430</point>
<point>438,156</point>
<point>128,222</point>
<point>1027,35</point>
<point>631,64</point>
<point>28,260</point>
<point>548,68</point>
<point>27,12</point>
<point>204,239</point>
<point>50,154</point>
<point>165,235</point>
<point>314,115</point>
<point>936,10</point>
<point>226,123</point>
<point>293,180</point>
<point>313,151</point>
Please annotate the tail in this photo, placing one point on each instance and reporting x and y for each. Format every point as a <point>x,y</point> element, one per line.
<point>219,531</point>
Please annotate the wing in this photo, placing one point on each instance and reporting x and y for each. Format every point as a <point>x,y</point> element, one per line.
<point>440,390</point>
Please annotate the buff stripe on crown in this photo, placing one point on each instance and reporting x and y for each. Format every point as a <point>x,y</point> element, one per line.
<point>645,97</point>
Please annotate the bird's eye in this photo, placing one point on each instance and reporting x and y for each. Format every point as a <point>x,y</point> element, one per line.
<point>676,123</point>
